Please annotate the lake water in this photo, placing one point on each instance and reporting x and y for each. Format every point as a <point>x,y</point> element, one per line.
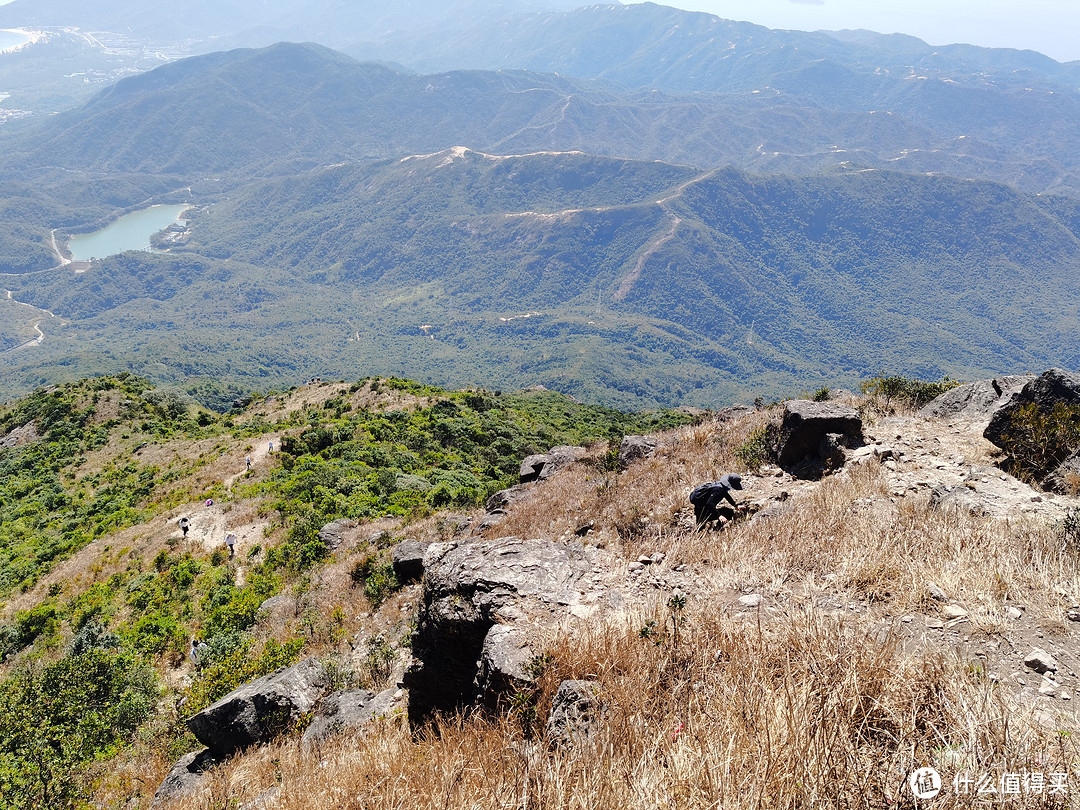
<point>130,232</point>
<point>12,39</point>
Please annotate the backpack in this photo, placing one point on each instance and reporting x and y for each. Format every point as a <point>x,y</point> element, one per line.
<point>702,492</point>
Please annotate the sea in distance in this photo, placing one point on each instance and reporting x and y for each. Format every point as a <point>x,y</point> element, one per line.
<point>12,39</point>
<point>129,232</point>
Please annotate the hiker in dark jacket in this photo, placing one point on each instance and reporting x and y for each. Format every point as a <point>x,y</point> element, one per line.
<point>708,501</point>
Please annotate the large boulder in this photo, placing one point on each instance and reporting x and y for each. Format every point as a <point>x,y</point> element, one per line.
<point>812,433</point>
<point>260,710</point>
<point>483,604</point>
<point>633,448</point>
<point>348,711</point>
<point>333,534</point>
<point>408,560</point>
<point>1065,478</point>
<point>1044,393</point>
<point>541,466</point>
<point>186,775</point>
<point>975,400</point>
<point>574,715</point>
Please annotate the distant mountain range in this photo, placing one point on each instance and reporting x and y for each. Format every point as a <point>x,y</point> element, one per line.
<point>705,211</point>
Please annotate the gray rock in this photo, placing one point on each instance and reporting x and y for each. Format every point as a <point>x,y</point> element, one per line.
<point>539,467</point>
<point>805,425</point>
<point>831,451</point>
<point>531,467</point>
<point>953,612</point>
<point>407,558</point>
<point>1065,477</point>
<point>1044,392</point>
<point>560,457</point>
<point>574,714</point>
<point>975,400</point>
<point>260,710</point>
<point>348,712</point>
<point>633,448</point>
<point>19,436</point>
<point>504,663</point>
<point>469,588</point>
<point>506,497</point>
<point>186,775</point>
<point>958,498</point>
<point>333,534</point>
<point>1041,661</point>
<point>273,603</point>
<point>936,593</point>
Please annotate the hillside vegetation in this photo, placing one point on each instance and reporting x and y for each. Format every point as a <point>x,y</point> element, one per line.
<point>103,593</point>
<point>833,688</point>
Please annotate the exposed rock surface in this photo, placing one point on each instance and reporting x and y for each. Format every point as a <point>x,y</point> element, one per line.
<point>809,428</point>
<point>19,436</point>
<point>260,710</point>
<point>544,465</point>
<point>408,560</point>
<point>1050,388</point>
<point>574,713</point>
<point>463,653</point>
<point>1065,477</point>
<point>348,711</point>
<point>633,448</point>
<point>333,534</point>
<point>975,400</point>
<point>186,775</point>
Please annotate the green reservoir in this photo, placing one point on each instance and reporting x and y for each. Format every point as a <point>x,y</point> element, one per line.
<point>130,232</point>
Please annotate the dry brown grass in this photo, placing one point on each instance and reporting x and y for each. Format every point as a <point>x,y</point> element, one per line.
<point>787,708</point>
<point>808,713</point>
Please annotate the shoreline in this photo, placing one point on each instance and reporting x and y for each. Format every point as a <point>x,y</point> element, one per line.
<point>32,37</point>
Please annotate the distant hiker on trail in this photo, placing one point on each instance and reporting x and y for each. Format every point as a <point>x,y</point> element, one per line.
<point>271,447</point>
<point>209,501</point>
<point>197,649</point>
<point>248,463</point>
<point>184,525</point>
<point>707,500</point>
<point>230,541</point>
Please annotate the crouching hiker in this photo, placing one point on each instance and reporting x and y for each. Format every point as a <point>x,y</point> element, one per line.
<point>708,500</point>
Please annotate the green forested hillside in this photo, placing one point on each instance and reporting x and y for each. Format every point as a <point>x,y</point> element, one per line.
<point>92,477</point>
<point>622,282</point>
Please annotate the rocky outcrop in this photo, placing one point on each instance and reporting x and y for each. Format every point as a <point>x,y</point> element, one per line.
<point>1047,391</point>
<point>333,534</point>
<point>632,448</point>
<point>544,465</point>
<point>1065,478</point>
<point>186,775</point>
<point>975,400</point>
<point>260,710</point>
<point>815,435</point>
<point>407,558</point>
<point>484,603</point>
<point>574,715</point>
<point>20,436</point>
<point>348,711</point>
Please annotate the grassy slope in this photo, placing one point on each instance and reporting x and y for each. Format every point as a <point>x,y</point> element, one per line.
<point>807,702</point>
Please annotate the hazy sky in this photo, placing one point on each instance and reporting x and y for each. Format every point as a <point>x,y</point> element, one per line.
<point>1049,26</point>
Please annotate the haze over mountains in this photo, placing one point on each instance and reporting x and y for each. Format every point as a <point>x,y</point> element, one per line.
<point>699,210</point>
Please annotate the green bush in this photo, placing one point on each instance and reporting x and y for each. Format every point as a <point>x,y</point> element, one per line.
<point>56,719</point>
<point>1037,441</point>
<point>888,392</point>
<point>377,578</point>
<point>759,448</point>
